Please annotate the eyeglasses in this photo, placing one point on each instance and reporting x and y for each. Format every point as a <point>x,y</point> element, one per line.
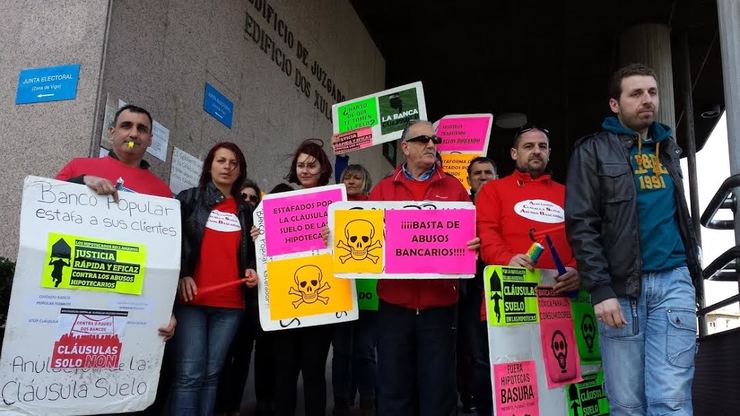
<point>424,139</point>
<point>529,127</point>
<point>249,198</point>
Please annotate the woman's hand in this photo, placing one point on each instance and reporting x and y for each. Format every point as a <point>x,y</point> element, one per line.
<point>255,232</point>
<point>167,332</point>
<point>325,234</point>
<point>251,277</point>
<point>187,289</point>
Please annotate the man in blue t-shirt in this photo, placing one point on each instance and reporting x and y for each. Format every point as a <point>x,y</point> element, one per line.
<point>630,230</point>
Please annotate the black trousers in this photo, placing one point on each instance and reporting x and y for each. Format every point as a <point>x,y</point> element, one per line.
<point>302,350</point>
<point>416,361</point>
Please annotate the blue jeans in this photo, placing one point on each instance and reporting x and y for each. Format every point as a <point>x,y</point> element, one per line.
<point>649,363</point>
<point>201,340</point>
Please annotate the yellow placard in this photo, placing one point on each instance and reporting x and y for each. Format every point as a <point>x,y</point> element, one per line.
<point>306,286</point>
<point>456,164</point>
<point>358,241</point>
<point>84,263</point>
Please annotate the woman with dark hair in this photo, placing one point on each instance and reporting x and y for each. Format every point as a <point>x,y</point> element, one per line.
<point>303,350</point>
<point>236,365</point>
<point>216,250</point>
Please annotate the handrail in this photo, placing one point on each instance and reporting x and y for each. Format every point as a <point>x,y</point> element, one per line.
<point>722,199</point>
<point>720,262</point>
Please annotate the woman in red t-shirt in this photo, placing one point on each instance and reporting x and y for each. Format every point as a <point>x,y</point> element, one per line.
<point>216,251</point>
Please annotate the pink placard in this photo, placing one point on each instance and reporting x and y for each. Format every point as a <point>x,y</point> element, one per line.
<point>463,134</point>
<point>293,223</point>
<point>429,241</point>
<point>515,388</point>
<point>559,347</point>
<point>352,140</point>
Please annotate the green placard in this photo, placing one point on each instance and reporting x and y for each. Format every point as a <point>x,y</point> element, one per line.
<point>587,331</point>
<point>85,263</point>
<point>396,109</point>
<point>357,114</point>
<point>367,294</point>
<point>511,295</point>
<point>588,397</point>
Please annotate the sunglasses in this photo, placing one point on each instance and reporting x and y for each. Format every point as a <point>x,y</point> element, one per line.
<point>424,139</point>
<point>249,198</point>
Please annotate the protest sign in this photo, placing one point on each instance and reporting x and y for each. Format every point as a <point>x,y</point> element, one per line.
<point>587,332</point>
<point>464,137</point>
<point>296,286</point>
<point>293,220</point>
<point>560,353</point>
<point>588,398</point>
<point>465,133</point>
<point>515,388</point>
<point>425,240</point>
<point>525,341</point>
<point>432,243</point>
<point>308,287</point>
<point>383,115</point>
<point>367,294</point>
<point>360,236</point>
<point>456,164</point>
<point>512,295</point>
<point>94,280</point>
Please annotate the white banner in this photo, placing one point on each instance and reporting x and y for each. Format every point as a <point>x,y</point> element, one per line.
<point>94,280</point>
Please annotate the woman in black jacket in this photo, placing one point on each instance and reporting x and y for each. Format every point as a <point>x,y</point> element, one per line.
<point>217,253</point>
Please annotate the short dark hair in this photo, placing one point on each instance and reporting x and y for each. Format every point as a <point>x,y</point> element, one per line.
<point>481,159</point>
<point>315,149</point>
<point>527,128</point>
<point>615,85</point>
<point>281,187</point>
<point>205,175</point>
<point>248,183</point>
<point>134,109</point>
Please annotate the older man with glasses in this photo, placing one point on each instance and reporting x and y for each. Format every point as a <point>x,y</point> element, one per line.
<point>508,208</point>
<point>417,318</point>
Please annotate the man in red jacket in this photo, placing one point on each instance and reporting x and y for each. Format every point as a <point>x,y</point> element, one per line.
<point>417,318</point>
<point>507,208</point>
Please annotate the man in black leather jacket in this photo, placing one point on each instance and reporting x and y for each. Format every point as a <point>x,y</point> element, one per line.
<point>630,230</point>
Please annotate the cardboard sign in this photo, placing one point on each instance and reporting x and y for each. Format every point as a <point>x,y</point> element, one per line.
<point>293,220</point>
<point>405,239</point>
<point>352,140</point>
<point>91,346</point>
<point>511,293</point>
<point>587,331</point>
<point>432,243</point>
<point>81,263</point>
<point>467,133</point>
<point>515,389</point>
<point>367,294</point>
<point>296,286</point>
<point>383,114</point>
<point>306,286</point>
<point>359,240</point>
<point>559,350</point>
<point>588,398</point>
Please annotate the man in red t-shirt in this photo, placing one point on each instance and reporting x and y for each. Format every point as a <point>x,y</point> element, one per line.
<point>124,168</point>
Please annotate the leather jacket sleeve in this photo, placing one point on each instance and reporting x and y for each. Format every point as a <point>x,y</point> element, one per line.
<point>583,222</point>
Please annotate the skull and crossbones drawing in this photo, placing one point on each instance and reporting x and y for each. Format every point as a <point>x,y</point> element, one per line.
<point>359,235</point>
<point>560,350</point>
<point>310,285</point>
